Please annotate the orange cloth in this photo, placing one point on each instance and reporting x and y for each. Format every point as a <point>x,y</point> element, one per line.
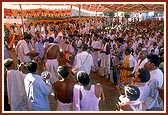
<point>12,41</point>
<point>125,74</point>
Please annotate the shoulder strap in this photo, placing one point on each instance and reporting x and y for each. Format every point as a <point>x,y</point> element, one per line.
<point>50,47</point>
<point>84,61</point>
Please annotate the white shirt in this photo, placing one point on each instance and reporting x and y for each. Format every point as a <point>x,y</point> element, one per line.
<point>157,74</point>
<point>144,92</point>
<point>84,62</point>
<point>96,44</point>
<point>89,101</point>
<point>141,64</point>
<point>132,63</point>
<point>22,49</point>
<point>16,91</point>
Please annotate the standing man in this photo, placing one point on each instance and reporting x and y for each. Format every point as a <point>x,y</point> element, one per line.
<point>96,46</point>
<point>84,61</point>
<point>24,49</point>
<point>64,90</point>
<point>156,81</point>
<point>51,54</point>
<point>86,95</point>
<point>104,69</point>
<point>142,60</point>
<point>127,67</point>
<point>37,89</point>
<point>153,65</point>
<point>119,56</point>
<point>15,87</point>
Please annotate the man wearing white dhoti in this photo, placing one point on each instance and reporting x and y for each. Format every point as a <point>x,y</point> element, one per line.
<point>15,87</point>
<point>63,90</point>
<point>51,53</point>
<point>105,59</point>
<point>84,61</point>
<point>95,47</point>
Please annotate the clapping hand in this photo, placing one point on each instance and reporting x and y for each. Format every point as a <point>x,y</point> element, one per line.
<point>46,75</point>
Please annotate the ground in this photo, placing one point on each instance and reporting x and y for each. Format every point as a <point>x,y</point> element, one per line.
<point>111,94</point>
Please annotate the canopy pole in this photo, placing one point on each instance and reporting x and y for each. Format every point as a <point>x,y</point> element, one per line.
<point>79,17</point>
<point>21,18</point>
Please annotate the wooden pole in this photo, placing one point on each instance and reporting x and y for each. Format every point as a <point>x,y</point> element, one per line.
<point>79,17</point>
<point>21,17</point>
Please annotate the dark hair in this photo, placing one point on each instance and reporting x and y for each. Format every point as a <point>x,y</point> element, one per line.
<point>144,52</point>
<point>129,50</point>
<point>84,46</point>
<point>63,71</point>
<point>154,59</point>
<point>120,40</point>
<point>8,62</point>
<point>152,50</point>
<point>27,36</point>
<point>132,92</point>
<point>161,53</point>
<point>155,44</point>
<point>31,66</point>
<point>144,75</point>
<point>12,27</point>
<point>51,39</point>
<point>83,78</point>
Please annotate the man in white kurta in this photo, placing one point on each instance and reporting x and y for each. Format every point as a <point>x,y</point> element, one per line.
<point>142,60</point>
<point>24,49</point>
<point>84,61</point>
<point>15,88</point>
<point>156,81</point>
<point>96,46</point>
<point>104,69</point>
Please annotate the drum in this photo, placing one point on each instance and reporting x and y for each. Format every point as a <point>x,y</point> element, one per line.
<point>34,53</point>
<point>68,57</point>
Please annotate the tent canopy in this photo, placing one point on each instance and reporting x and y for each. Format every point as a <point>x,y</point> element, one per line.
<point>123,7</point>
<point>103,7</point>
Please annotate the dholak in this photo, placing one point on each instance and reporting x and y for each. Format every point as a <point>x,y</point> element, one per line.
<point>68,57</point>
<point>34,53</point>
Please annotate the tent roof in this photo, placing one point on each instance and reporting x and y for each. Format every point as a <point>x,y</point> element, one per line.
<point>108,7</point>
<point>123,7</point>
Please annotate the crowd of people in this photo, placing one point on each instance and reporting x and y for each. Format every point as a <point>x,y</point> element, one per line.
<point>59,58</point>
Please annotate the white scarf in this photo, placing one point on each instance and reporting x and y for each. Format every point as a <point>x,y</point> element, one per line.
<point>29,86</point>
